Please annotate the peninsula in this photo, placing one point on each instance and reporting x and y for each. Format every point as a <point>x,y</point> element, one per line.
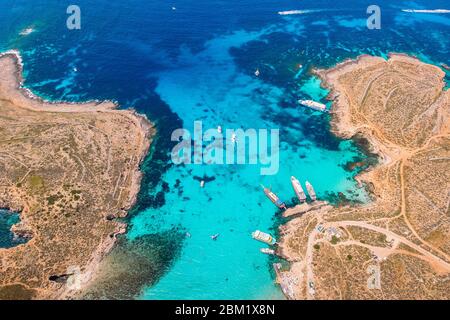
<point>398,245</point>
<point>70,170</point>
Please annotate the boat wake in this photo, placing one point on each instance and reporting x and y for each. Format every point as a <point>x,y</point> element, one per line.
<point>293,12</point>
<point>26,31</point>
<point>426,11</point>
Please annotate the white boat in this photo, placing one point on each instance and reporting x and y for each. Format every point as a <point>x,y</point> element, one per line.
<point>267,251</point>
<point>298,189</point>
<point>313,105</point>
<point>219,129</point>
<point>311,192</point>
<point>257,73</point>
<point>263,237</point>
<point>214,237</point>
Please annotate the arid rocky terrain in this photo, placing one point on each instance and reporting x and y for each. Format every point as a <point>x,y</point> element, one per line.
<point>70,170</point>
<point>398,245</point>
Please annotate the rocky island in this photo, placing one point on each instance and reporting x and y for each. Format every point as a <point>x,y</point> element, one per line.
<point>398,245</point>
<point>70,170</point>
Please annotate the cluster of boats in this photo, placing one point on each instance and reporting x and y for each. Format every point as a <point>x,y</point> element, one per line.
<point>301,195</point>
<point>267,238</point>
<point>296,185</point>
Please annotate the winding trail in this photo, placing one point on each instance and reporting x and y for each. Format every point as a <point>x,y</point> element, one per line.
<point>395,155</point>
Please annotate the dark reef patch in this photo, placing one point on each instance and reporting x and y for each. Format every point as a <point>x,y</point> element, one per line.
<point>339,199</point>
<point>365,158</point>
<point>316,129</point>
<point>157,161</point>
<point>135,264</point>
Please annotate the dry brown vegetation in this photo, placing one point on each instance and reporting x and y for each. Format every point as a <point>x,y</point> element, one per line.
<point>70,170</point>
<point>401,107</point>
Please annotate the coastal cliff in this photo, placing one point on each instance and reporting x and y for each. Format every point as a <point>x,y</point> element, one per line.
<point>70,170</point>
<point>398,245</point>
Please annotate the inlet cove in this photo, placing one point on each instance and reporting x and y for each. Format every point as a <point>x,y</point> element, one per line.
<point>210,149</point>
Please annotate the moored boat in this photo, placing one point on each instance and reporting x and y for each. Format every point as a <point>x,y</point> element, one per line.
<point>298,189</point>
<point>311,192</point>
<point>445,66</point>
<point>313,105</point>
<point>274,198</point>
<point>267,251</point>
<point>263,237</point>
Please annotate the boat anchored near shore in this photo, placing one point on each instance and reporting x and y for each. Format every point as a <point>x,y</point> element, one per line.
<point>445,66</point>
<point>267,251</point>
<point>274,198</point>
<point>263,237</point>
<point>313,105</point>
<point>311,192</point>
<point>298,189</point>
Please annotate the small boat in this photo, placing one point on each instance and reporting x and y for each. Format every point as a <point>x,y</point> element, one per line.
<point>267,251</point>
<point>202,184</point>
<point>233,137</point>
<point>311,192</point>
<point>214,237</point>
<point>263,237</point>
<point>257,73</point>
<point>445,66</point>
<point>313,105</point>
<point>274,198</point>
<point>298,189</point>
<point>219,129</point>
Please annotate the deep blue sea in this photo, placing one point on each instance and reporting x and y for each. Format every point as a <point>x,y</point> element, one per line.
<point>179,61</point>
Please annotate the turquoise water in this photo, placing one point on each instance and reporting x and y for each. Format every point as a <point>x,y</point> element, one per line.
<point>198,63</point>
<point>233,204</point>
<point>7,220</point>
